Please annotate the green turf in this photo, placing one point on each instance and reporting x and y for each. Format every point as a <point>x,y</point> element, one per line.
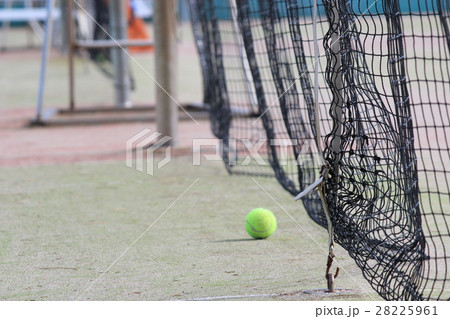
<point>62,226</point>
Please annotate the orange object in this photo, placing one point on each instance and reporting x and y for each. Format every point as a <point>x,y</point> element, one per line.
<point>137,31</point>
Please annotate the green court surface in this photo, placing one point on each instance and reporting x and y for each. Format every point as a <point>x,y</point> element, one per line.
<point>108,232</point>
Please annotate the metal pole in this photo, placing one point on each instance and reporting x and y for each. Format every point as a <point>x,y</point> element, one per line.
<point>119,27</point>
<point>71,52</point>
<point>166,68</point>
<point>45,52</point>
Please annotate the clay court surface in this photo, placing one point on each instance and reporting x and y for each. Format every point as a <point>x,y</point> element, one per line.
<point>77,224</point>
<point>23,145</point>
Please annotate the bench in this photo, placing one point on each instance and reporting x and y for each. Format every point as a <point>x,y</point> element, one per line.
<point>32,16</point>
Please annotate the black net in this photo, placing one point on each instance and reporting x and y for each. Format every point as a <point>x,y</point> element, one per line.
<point>256,102</point>
<point>383,93</point>
<point>388,191</point>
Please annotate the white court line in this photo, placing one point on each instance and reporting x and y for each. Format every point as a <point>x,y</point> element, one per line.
<point>231,297</point>
<point>301,292</point>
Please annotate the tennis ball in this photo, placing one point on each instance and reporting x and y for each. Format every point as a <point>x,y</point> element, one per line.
<point>260,223</point>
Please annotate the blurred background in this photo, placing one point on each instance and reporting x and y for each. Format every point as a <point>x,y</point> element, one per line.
<point>22,33</point>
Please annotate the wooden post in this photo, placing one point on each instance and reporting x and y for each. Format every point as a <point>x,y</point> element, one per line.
<point>166,68</point>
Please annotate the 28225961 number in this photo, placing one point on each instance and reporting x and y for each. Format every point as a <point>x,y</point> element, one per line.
<point>406,311</point>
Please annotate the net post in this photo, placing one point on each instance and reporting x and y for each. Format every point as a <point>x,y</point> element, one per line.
<point>166,68</point>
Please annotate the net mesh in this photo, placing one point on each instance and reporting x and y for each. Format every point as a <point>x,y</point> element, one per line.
<point>382,96</point>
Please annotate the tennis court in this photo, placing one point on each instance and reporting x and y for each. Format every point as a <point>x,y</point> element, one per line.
<point>80,223</point>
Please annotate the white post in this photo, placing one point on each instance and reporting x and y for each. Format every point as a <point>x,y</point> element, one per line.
<point>166,68</point>
<point>45,53</point>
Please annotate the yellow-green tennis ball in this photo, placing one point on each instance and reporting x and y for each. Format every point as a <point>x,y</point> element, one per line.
<point>260,223</point>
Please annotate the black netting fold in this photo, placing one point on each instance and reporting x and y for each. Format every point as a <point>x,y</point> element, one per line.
<point>383,95</point>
